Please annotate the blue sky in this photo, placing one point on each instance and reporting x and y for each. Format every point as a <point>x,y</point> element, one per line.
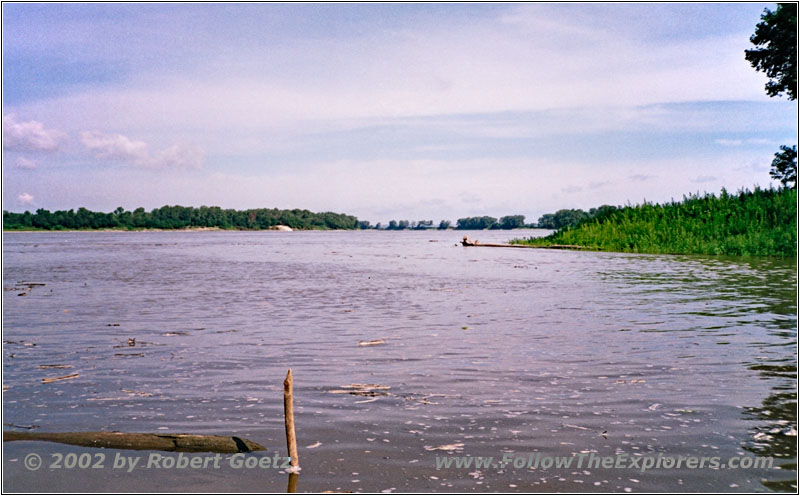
<point>384,111</point>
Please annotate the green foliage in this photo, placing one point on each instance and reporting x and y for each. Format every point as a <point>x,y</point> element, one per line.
<point>776,55</point>
<point>476,223</point>
<point>398,225</point>
<point>178,217</point>
<point>784,167</point>
<point>512,221</point>
<point>758,223</point>
<point>444,224</point>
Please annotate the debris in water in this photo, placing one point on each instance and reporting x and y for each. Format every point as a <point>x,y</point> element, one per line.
<point>446,447</point>
<point>176,333</point>
<point>374,342</point>
<point>29,427</point>
<point>55,366</point>
<point>48,380</point>
<point>137,393</point>
<point>315,445</point>
<point>128,355</point>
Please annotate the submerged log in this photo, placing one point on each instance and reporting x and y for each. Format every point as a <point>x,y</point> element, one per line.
<point>468,242</point>
<point>193,443</point>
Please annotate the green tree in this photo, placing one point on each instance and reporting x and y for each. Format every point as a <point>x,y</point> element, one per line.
<point>776,55</point>
<point>444,224</point>
<point>547,221</point>
<point>512,221</point>
<point>784,167</point>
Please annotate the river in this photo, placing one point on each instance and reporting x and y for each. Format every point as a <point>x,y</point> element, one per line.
<point>486,352</point>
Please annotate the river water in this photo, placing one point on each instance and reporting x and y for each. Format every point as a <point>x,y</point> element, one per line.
<point>486,352</point>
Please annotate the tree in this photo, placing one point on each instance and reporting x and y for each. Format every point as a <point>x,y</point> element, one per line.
<point>512,221</point>
<point>547,221</point>
<point>776,35</point>
<point>776,55</point>
<point>784,167</point>
<point>444,224</point>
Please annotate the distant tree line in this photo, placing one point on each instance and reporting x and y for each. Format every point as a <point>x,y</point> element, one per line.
<point>573,216</point>
<point>178,217</point>
<point>508,222</point>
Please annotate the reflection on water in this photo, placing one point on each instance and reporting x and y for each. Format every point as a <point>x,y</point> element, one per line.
<point>491,350</point>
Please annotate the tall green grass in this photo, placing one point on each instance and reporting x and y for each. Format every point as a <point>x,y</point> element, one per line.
<point>762,222</point>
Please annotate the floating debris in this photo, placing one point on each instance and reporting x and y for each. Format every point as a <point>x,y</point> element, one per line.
<point>112,325</point>
<point>137,393</point>
<point>48,380</point>
<point>29,427</point>
<point>576,427</point>
<point>315,445</point>
<point>374,342</point>
<point>128,355</point>
<point>55,366</point>
<point>359,389</point>
<point>446,447</point>
<point>176,333</point>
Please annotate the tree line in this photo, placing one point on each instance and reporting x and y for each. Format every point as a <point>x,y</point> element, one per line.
<point>569,217</point>
<point>177,217</point>
<point>472,223</point>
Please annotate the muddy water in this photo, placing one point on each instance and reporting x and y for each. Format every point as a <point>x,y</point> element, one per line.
<point>487,350</point>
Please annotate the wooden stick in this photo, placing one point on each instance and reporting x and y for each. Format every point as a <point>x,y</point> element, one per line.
<point>291,486</point>
<point>288,413</point>
<point>141,441</point>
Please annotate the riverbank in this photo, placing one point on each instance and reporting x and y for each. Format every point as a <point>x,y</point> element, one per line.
<point>762,222</point>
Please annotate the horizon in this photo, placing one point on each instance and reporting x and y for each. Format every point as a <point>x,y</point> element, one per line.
<point>383,111</point>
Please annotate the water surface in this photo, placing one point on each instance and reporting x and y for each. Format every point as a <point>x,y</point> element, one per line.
<point>498,350</point>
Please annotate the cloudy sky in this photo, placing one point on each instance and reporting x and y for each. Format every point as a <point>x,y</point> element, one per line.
<point>393,111</point>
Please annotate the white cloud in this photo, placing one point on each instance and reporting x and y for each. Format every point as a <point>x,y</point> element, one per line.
<point>728,142</point>
<point>124,149</point>
<point>179,155</point>
<point>28,135</point>
<point>26,163</point>
<point>114,146</point>
<point>25,199</point>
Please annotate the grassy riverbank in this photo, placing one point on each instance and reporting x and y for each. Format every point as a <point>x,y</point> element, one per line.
<point>751,223</point>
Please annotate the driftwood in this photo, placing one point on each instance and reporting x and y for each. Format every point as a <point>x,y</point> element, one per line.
<point>193,443</point>
<point>468,242</point>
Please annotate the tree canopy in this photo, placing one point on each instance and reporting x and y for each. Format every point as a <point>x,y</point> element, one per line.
<point>776,55</point>
<point>178,217</point>
<point>784,167</point>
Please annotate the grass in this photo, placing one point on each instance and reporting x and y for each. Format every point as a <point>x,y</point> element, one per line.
<point>762,222</point>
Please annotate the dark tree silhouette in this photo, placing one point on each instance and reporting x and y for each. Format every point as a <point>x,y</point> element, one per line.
<point>776,55</point>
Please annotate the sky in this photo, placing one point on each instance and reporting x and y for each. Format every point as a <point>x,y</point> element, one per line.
<point>384,111</point>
